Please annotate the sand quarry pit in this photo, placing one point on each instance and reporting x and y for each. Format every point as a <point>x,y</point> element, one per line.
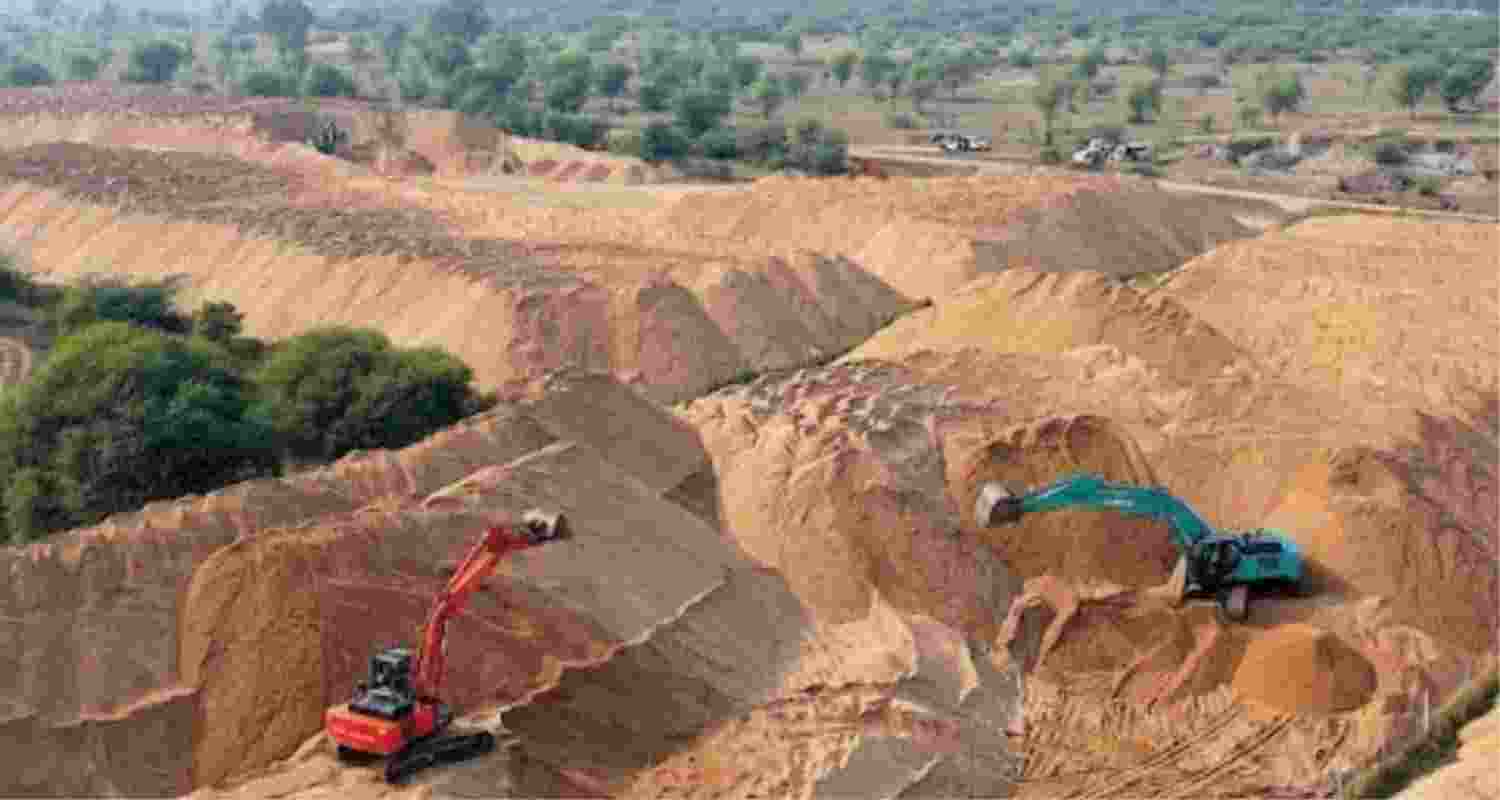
<point>784,568</point>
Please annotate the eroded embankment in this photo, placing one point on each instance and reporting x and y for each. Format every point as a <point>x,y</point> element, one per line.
<point>512,310</point>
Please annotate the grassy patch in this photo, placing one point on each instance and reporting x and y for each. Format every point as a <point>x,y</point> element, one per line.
<point>1438,748</point>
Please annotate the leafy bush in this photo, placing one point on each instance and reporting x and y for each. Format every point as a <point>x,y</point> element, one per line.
<point>16,285</point>
<point>156,62</point>
<point>84,66</point>
<point>575,129</point>
<point>1051,154</point>
<point>23,74</point>
<point>330,391</point>
<point>661,141</point>
<point>1022,59</point>
<point>766,145</point>
<point>326,80</point>
<point>118,416</point>
<point>624,142</point>
<point>721,144</point>
<point>268,83</point>
<point>1428,186</point>
<point>147,306</point>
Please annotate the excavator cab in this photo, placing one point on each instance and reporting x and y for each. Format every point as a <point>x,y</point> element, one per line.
<point>389,693</point>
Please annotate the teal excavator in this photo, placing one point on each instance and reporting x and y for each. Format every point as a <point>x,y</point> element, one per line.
<point>1224,565</point>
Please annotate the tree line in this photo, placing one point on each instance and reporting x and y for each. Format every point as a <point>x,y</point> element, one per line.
<point>137,401</point>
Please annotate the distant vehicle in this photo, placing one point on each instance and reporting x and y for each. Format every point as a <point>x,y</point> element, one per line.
<point>960,142</point>
<point>1098,151</point>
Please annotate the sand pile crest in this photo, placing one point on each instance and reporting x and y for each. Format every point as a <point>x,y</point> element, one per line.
<point>1305,670</point>
<point>1029,311</point>
<point>927,237</point>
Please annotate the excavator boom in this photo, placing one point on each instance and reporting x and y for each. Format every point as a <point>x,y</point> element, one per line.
<point>997,505</point>
<point>1213,561</point>
<point>399,713</point>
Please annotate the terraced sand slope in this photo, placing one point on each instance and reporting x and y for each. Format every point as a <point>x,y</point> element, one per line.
<point>291,257</point>
<point>196,643</point>
<point>927,237</point>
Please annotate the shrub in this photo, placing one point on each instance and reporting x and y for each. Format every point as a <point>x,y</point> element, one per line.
<point>326,80</point>
<point>1428,186</point>
<point>901,120</point>
<point>156,62</point>
<point>24,74</point>
<point>661,141</point>
<point>118,416</point>
<point>268,83</point>
<point>330,391</point>
<point>1051,154</point>
<point>720,143</point>
<point>624,142</point>
<point>147,305</point>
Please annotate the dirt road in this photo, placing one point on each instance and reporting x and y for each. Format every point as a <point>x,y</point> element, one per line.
<point>1292,204</point>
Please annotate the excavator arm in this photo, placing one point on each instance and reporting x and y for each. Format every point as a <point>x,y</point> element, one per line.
<point>997,505</point>
<point>500,541</point>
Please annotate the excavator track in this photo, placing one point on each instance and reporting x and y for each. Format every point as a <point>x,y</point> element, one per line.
<point>434,751</point>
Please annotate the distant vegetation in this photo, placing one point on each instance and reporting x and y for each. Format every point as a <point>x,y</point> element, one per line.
<point>137,401</point>
<point>685,79</point>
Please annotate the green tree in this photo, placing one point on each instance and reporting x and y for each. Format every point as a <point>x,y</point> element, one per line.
<point>1143,100</point>
<point>875,67</point>
<point>1279,93</point>
<point>465,20</point>
<point>326,80</point>
<point>661,141</point>
<point>700,110</point>
<point>119,416</point>
<point>655,95</point>
<point>747,70</point>
<point>1159,61</point>
<point>1090,63</point>
<point>23,74</point>
<point>1410,83</point>
<point>842,66</point>
<point>330,391</point>
<point>795,84</point>
<point>84,66</point>
<point>220,323</point>
<point>1465,81</point>
<point>1049,97</point>
<point>768,94</point>
<point>155,62</point>
<point>613,78</point>
<point>287,22</point>
<point>268,83</point>
<point>792,41</point>
<point>149,305</point>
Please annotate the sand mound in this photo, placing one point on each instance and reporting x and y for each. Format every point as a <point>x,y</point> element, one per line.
<point>1389,311</point>
<point>565,162</point>
<point>512,309</point>
<point>1302,669</point>
<point>927,237</point>
<point>836,477</point>
<point>1028,311</point>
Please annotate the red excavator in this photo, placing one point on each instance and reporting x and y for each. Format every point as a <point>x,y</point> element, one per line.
<point>397,714</point>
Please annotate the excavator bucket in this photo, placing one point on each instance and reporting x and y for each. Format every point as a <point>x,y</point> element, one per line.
<point>545,526</point>
<point>996,505</point>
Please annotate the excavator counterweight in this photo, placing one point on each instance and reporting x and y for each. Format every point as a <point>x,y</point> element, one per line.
<point>398,714</point>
